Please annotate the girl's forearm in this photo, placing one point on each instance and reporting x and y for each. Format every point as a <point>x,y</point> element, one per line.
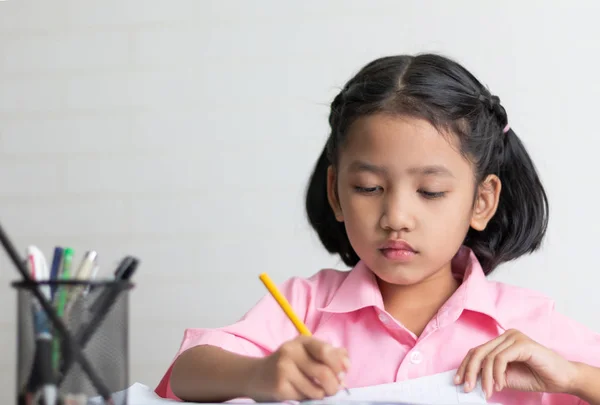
<point>211,374</point>
<point>587,384</point>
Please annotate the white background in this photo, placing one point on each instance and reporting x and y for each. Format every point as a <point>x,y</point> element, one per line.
<point>184,132</point>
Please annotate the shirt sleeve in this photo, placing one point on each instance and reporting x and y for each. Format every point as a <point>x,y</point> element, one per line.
<point>574,342</point>
<point>257,334</point>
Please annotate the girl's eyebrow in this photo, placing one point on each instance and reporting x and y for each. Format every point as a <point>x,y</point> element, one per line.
<point>430,170</point>
<point>362,166</point>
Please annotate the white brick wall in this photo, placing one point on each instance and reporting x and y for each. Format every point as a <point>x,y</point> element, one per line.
<point>184,131</point>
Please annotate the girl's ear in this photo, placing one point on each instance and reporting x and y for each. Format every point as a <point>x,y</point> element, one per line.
<point>332,195</point>
<point>486,202</point>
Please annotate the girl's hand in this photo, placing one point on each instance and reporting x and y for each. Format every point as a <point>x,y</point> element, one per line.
<point>301,369</point>
<point>513,360</point>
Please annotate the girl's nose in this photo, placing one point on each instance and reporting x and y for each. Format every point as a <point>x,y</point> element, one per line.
<point>396,215</point>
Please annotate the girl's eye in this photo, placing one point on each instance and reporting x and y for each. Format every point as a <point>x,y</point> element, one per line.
<point>367,190</point>
<point>432,195</point>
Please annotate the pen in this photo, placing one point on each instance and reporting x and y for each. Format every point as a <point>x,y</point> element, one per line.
<point>83,273</point>
<point>41,382</point>
<point>126,269</point>
<point>42,377</point>
<point>55,268</point>
<point>287,308</point>
<point>93,276</point>
<point>87,264</point>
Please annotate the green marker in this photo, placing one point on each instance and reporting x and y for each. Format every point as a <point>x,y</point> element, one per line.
<point>63,292</point>
<point>65,275</point>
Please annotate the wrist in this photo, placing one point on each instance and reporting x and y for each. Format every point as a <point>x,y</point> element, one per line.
<point>584,383</point>
<point>248,372</point>
<point>575,382</point>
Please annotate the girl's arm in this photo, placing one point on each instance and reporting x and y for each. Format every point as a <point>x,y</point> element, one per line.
<point>587,383</point>
<point>211,374</point>
<point>302,368</point>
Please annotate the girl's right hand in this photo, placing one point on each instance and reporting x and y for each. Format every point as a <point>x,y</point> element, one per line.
<point>301,369</point>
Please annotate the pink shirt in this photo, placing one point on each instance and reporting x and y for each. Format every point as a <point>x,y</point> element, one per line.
<point>345,308</point>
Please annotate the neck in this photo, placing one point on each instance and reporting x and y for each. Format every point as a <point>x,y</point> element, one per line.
<point>430,293</point>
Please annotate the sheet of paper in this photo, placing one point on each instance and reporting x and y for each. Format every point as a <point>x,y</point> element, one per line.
<point>140,394</point>
<point>137,394</point>
<point>437,389</point>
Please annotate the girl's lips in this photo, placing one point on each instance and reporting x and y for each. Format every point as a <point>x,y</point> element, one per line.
<point>398,244</point>
<point>398,255</point>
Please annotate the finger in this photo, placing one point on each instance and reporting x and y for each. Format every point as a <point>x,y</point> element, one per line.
<point>473,367</point>
<point>509,354</point>
<point>320,373</point>
<point>335,358</point>
<point>345,365</point>
<point>290,393</point>
<point>460,373</point>
<point>488,377</point>
<point>305,386</point>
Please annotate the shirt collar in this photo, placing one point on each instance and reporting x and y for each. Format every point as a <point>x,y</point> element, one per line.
<point>476,293</point>
<point>358,290</point>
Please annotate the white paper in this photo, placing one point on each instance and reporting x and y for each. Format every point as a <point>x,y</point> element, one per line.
<point>140,394</point>
<point>137,394</point>
<point>437,389</point>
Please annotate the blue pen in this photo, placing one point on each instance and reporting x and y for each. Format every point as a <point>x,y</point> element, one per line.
<point>41,382</point>
<point>56,262</point>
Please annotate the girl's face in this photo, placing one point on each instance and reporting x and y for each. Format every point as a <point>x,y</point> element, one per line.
<point>407,196</point>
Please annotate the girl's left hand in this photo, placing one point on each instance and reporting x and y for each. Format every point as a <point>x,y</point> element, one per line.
<point>513,360</point>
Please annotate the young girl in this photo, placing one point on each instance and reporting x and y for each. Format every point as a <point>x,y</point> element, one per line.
<point>423,189</point>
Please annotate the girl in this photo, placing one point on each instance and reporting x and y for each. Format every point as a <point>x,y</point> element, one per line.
<point>423,189</point>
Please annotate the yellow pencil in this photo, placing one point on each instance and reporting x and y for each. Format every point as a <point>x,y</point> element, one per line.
<point>284,304</point>
<point>287,308</point>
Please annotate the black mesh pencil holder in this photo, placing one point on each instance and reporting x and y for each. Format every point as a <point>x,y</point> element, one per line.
<point>87,366</point>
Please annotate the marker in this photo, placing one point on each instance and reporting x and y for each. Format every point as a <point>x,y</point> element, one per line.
<point>41,380</point>
<point>62,292</point>
<point>40,272</point>
<point>126,268</point>
<point>65,274</point>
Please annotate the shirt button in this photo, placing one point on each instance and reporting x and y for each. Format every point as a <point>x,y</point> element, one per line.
<point>416,357</point>
<point>383,318</point>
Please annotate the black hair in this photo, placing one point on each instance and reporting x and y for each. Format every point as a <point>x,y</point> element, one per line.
<point>441,91</point>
